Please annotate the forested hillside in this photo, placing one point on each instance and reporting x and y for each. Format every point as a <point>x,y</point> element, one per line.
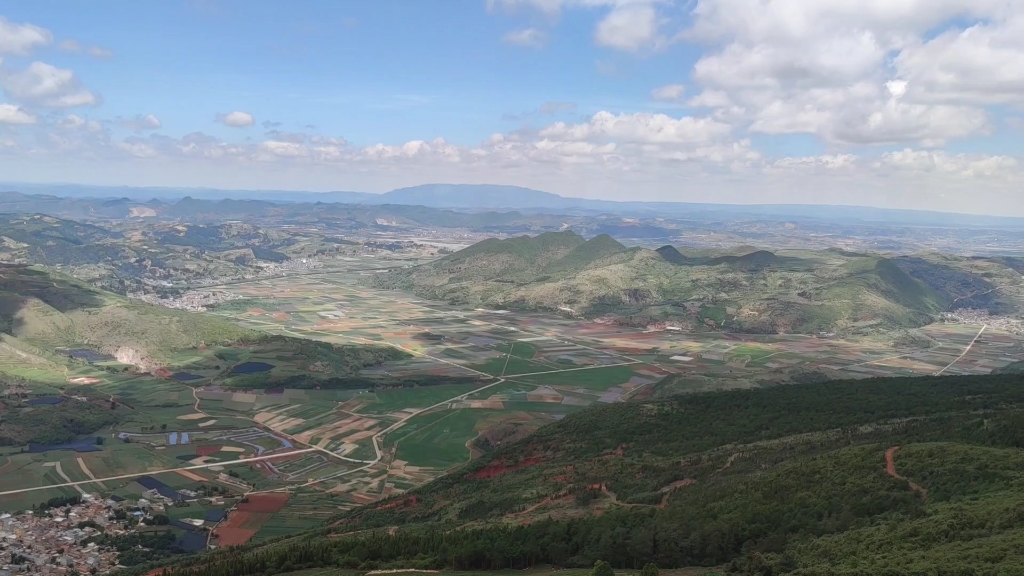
<point>884,476</point>
<point>744,289</point>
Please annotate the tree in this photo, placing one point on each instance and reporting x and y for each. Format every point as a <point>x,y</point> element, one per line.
<point>649,570</point>
<point>602,568</point>
<point>163,426</point>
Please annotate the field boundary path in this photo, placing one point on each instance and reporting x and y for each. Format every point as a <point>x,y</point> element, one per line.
<point>964,353</point>
<point>151,472</point>
<point>87,472</point>
<point>890,469</point>
<point>376,442</point>
<point>60,471</point>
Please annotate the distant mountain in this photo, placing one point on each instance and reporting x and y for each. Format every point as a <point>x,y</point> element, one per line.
<point>743,290</point>
<point>504,198</point>
<point>474,196</point>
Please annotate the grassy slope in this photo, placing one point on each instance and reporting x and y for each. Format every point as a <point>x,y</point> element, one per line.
<point>50,310</point>
<point>810,292</point>
<point>787,480</point>
<point>41,311</point>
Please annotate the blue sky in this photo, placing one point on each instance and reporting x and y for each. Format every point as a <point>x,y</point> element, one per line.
<point>895,103</point>
<point>373,71</point>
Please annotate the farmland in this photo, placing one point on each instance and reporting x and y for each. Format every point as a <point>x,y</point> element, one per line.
<point>461,379</point>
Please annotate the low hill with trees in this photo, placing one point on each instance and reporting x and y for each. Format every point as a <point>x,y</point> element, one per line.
<point>883,476</point>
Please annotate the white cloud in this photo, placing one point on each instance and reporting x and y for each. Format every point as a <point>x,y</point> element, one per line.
<point>42,84</point>
<point>612,156</point>
<point>640,128</point>
<point>668,93</point>
<point>97,52</point>
<point>11,114</point>
<point>74,46</point>
<point>828,68</point>
<point>806,164</point>
<point>529,37</point>
<point>236,119</point>
<point>75,122</point>
<point>979,65</point>
<point>141,123</point>
<point>437,149</point>
<point>964,165</point>
<point>327,140</point>
<point>284,148</point>
<point>21,39</point>
<point>70,45</point>
<point>137,149</point>
<point>546,6</point>
<point>628,27</point>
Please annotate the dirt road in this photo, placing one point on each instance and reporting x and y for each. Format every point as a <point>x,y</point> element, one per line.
<point>890,468</point>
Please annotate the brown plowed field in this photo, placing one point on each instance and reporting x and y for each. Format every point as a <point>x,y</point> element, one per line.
<point>271,502</point>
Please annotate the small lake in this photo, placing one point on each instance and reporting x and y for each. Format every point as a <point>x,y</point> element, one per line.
<point>252,367</point>
<point>88,355</point>
<point>185,376</point>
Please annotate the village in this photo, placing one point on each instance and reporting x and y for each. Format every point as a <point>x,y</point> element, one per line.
<point>87,534</point>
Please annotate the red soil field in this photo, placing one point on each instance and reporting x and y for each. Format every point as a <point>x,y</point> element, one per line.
<point>207,450</point>
<point>271,502</point>
<point>230,533</point>
<point>255,520</point>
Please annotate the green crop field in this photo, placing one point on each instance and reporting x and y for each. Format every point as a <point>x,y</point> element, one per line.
<point>600,378</point>
<point>438,439</point>
<point>305,509</point>
<point>393,399</point>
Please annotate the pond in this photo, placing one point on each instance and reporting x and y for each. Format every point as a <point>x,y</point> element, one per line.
<point>252,367</point>
<point>185,376</point>
<point>88,355</point>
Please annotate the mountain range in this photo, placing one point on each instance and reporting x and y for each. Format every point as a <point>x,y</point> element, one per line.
<point>503,198</point>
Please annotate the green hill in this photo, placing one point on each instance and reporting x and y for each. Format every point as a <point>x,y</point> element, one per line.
<point>586,254</point>
<point>742,289</point>
<point>885,476</point>
<point>50,310</point>
<point>753,261</point>
<point>44,314</point>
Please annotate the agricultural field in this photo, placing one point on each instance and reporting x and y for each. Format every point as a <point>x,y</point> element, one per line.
<point>462,380</point>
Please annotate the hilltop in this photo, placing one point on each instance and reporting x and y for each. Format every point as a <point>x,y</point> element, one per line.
<point>744,289</point>
<point>886,476</point>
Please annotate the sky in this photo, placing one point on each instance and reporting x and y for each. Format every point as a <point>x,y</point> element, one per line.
<point>889,103</point>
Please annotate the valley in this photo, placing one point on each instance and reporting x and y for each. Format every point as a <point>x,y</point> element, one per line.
<point>464,381</point>
<point>345,386</point>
